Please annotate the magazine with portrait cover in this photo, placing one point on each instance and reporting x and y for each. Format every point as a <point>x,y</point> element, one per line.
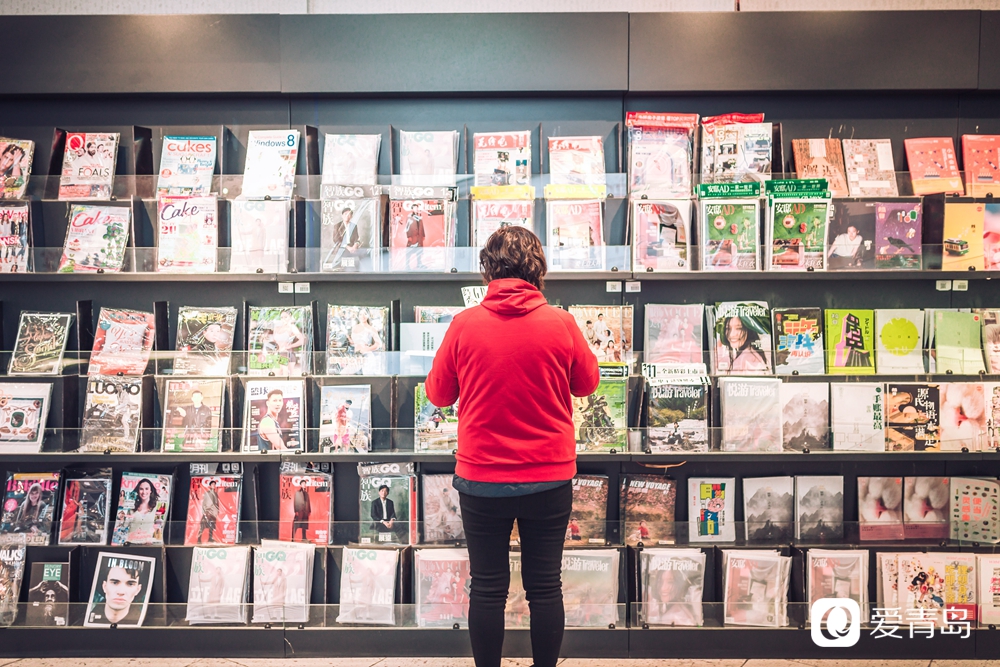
<point>674,334</point>
<point>434,428</point>
<point>660,153</point>
<point>926,507</point>
<point>601,419</point>
<point>899,341</point>
<point>351,159</point>
<point>975,510</point>
<point>912,417</point>
<point>123,340</point>
<point>204,340</point>
<point>662,234</point>
<point>121,591</point>
<point>870,168</point>
<point>819,508</point>
<point>805,416</point>
<point>933,165</point>
<point>677,414</point>
<point>274,416</point>
<point>280,341</point>
<point>898,230</point>
<point>192,415</point>
<point>442,587</point>
<point>143,508</point>
<point>15,236</point>
<point>282,581</point>
<point>576,160</point>
<point>86,508</point>
<point>368,586</point>
<point>489,215</point>
<point>588,520</point>
<point>607,330</point>
<point>351,234</point>
<point>768,509</point>
<point>187,165</point>
<point>213,514</point>
<point>755,588</point>
<point>880,508</point>
<point>48,595</point>
<point>345,418</point>
<point>797,234</point>
<point>837,574</point>
<point>442,510</point>
<point>857,416</point>
<point>88,168</point>
<point>821,158</point>
<point>112,414</point>
<point>851,243</point>
<point>24,408</point>
<point>648,503</point>
<point>41,343</point>
<point>730,234</point>
<point>711,509</point>
<point>575,234</point>
<point>740,337</point>
<point>963,418</point>
<point>388,499</point>
<point>218,585</point>
<point>502,158</point>
<point>590,587</point>
<point>798,341</point>
<point>672,581</point>
<point>12,559</point>
<point>850,341</point>
<point>95,239</point>
<point>270,165</point>
<point>356,340</point>
<point>428,158</point>
<point>187,239</point>
<point>751,414</point>
<point>420,232</point>
<point>15,166</point>
<point>306,505</point>
<point>258,236</point>
<point>29,506</point>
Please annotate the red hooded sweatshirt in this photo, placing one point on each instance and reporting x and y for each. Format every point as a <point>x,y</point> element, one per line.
<point>516,362</point>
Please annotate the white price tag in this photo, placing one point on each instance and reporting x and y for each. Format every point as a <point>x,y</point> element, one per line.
<point>633,286</point>
<point>614,286</point>
<point>302,288</point>
<point>943,285</point>
<point>652,371</point>
<point>286,288</point>
<point>960,285</point>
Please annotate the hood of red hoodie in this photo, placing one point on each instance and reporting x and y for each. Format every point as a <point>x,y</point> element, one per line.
<point>513,297</point>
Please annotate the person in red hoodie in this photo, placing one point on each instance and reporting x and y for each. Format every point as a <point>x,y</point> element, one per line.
<point>516,362</point>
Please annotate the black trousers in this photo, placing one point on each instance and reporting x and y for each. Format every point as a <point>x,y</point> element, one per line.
<point>542,519</point>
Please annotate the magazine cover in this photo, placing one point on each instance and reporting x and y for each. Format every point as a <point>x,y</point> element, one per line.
<point>15,167</point>
<point>899,341</point>
<point>660,153</point>
<point>798,341</point>
<point>95,239</point>
<point>989,586</point>
<point>718,141</point>
<point>122,342</point>
<point>351,233</point>
<point>648,503</point>
<point>213,515</point>
<point>442,511</point>
<point>921,587</point>
<point>368,586</point>
<point>751,414</point>
<point>435,314</point>
<point>851,243</point>
<point>502,158</point>
<point>912,417</point>
<point>192,415</point>
<point>143,508</point>
<point>850,342</point>
<point>12,560</point>
<point>933,165</point>
<point>975,510</point>
<point>819,508</point>
<point>607,329</point>
<point>88,169</point>
<point>41,343</point>
<point>187,165</point>
<point>887,573</point>
<point>741,334</point>
<point>428,158</point>
<point>898,234</point>
<point>963,416</point>
<point>963,237</point>
<point>711,509</point>
<point>48,596</point>
<point>576,160</point>
<point>442,581</point>
<point>753,154</point>
<point>575,233</point>
<point>351,159</point>
<point>601,419</point>
<point>121,592</point>
<point>958,345</point>
<point>730,235</point>
<point>672,585</point>
<point>24,408</point>
<point>798,235</point>
<point>112,414</point>
<point>926,509</point>
<point>991,236</point>
<point>857,416</point>
<point>755,586</point>
<point>282,582</point>
<point>870,168</point>
<point>677,415</point>
<point>306,508</point>
<point>674,334</point>
<point>388,503</point>
<point>204,340</point>
<point>279,341</point>
<point>86,509</point>
<point>880,508</point>
<point>805,416</point>
<point>991,338</point>
<point>274,416</point>
<point>29,506</point>
<point>981,160</point>
<point>590,587</point>
<point>419,232</point>
<point>15,237</point>
<point>218,585</point>
<point>356,340</point>
<point>588,521</point>
<point>258,235</point>
<point>345,420</point>
<point>188,236</point>
<point>270,165</point>
<point>489,215</point>
<point>768,509</point>
<point>662,230</point>
<point>821,158</point>
<point>434,428</point>
<point>991,394</point>
<point>837,574</point>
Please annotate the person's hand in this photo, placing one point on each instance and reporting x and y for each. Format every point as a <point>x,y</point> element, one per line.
<point>181,412</point>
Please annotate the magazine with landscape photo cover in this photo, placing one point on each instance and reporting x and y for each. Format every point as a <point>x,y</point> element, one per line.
<point>805,416</point>
<point>819,508</point>
<point>588,520</point>
<point>648,503</point>
<point>768,509</point>
<point>677,415</point>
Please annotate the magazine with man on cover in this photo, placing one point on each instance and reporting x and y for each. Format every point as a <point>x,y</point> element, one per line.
<point>41,343</point>
<point>306,506</point>
<point>121,591</point>
<point>48,596</point>
<point>24,409</point>
<point>282,581</point>
<point>112,414</point>
<point>420,231</point>
<point>213,515</point>
<point>192,415</point>
<point>368,586</point>
<point>218,585</point>
<point>388,498</point>
<point>351,234</point>
<point>29,506</point>
<point>351,159</point>
<point>345,421</point>
<point>204,340</point>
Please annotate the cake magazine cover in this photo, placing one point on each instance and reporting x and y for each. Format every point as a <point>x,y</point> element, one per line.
<point>204,340</point>
<point>187,165</point>
<point>188,234</point>
<point>96,239</point>
<point>86,508</point>
<point>41,343</point>
<point>143,508</point>
<point>192,415</point>
<point>357,338</point>
<point>274,416</point>
<point>123,340</point>
<point>29,506</point>
<point>213,515</point>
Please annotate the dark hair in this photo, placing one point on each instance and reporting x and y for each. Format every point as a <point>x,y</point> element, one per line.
<point>513,252</point>
<point>153,495</point>
<point>11,148</point>
<point>751,344</point>
<point>383,487</point>
<point>273,392</point>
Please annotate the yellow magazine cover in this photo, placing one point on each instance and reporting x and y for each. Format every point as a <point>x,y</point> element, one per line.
<point>963,237</point>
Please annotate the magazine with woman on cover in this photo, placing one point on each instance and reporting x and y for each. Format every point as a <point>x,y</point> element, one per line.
<point>345,421</point>
<point>672,584</point>
<point>15,240</point>
<point>29,506</point>
<point>356,340</point>
<point>15,167</point>
<point>442,587</point>
<point>279,341</point>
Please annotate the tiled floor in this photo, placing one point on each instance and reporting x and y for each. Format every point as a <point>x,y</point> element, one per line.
<point>467,662</point>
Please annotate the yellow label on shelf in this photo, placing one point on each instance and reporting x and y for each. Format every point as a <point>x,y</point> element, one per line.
<point>502,191</point>
<point>562,191</point>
